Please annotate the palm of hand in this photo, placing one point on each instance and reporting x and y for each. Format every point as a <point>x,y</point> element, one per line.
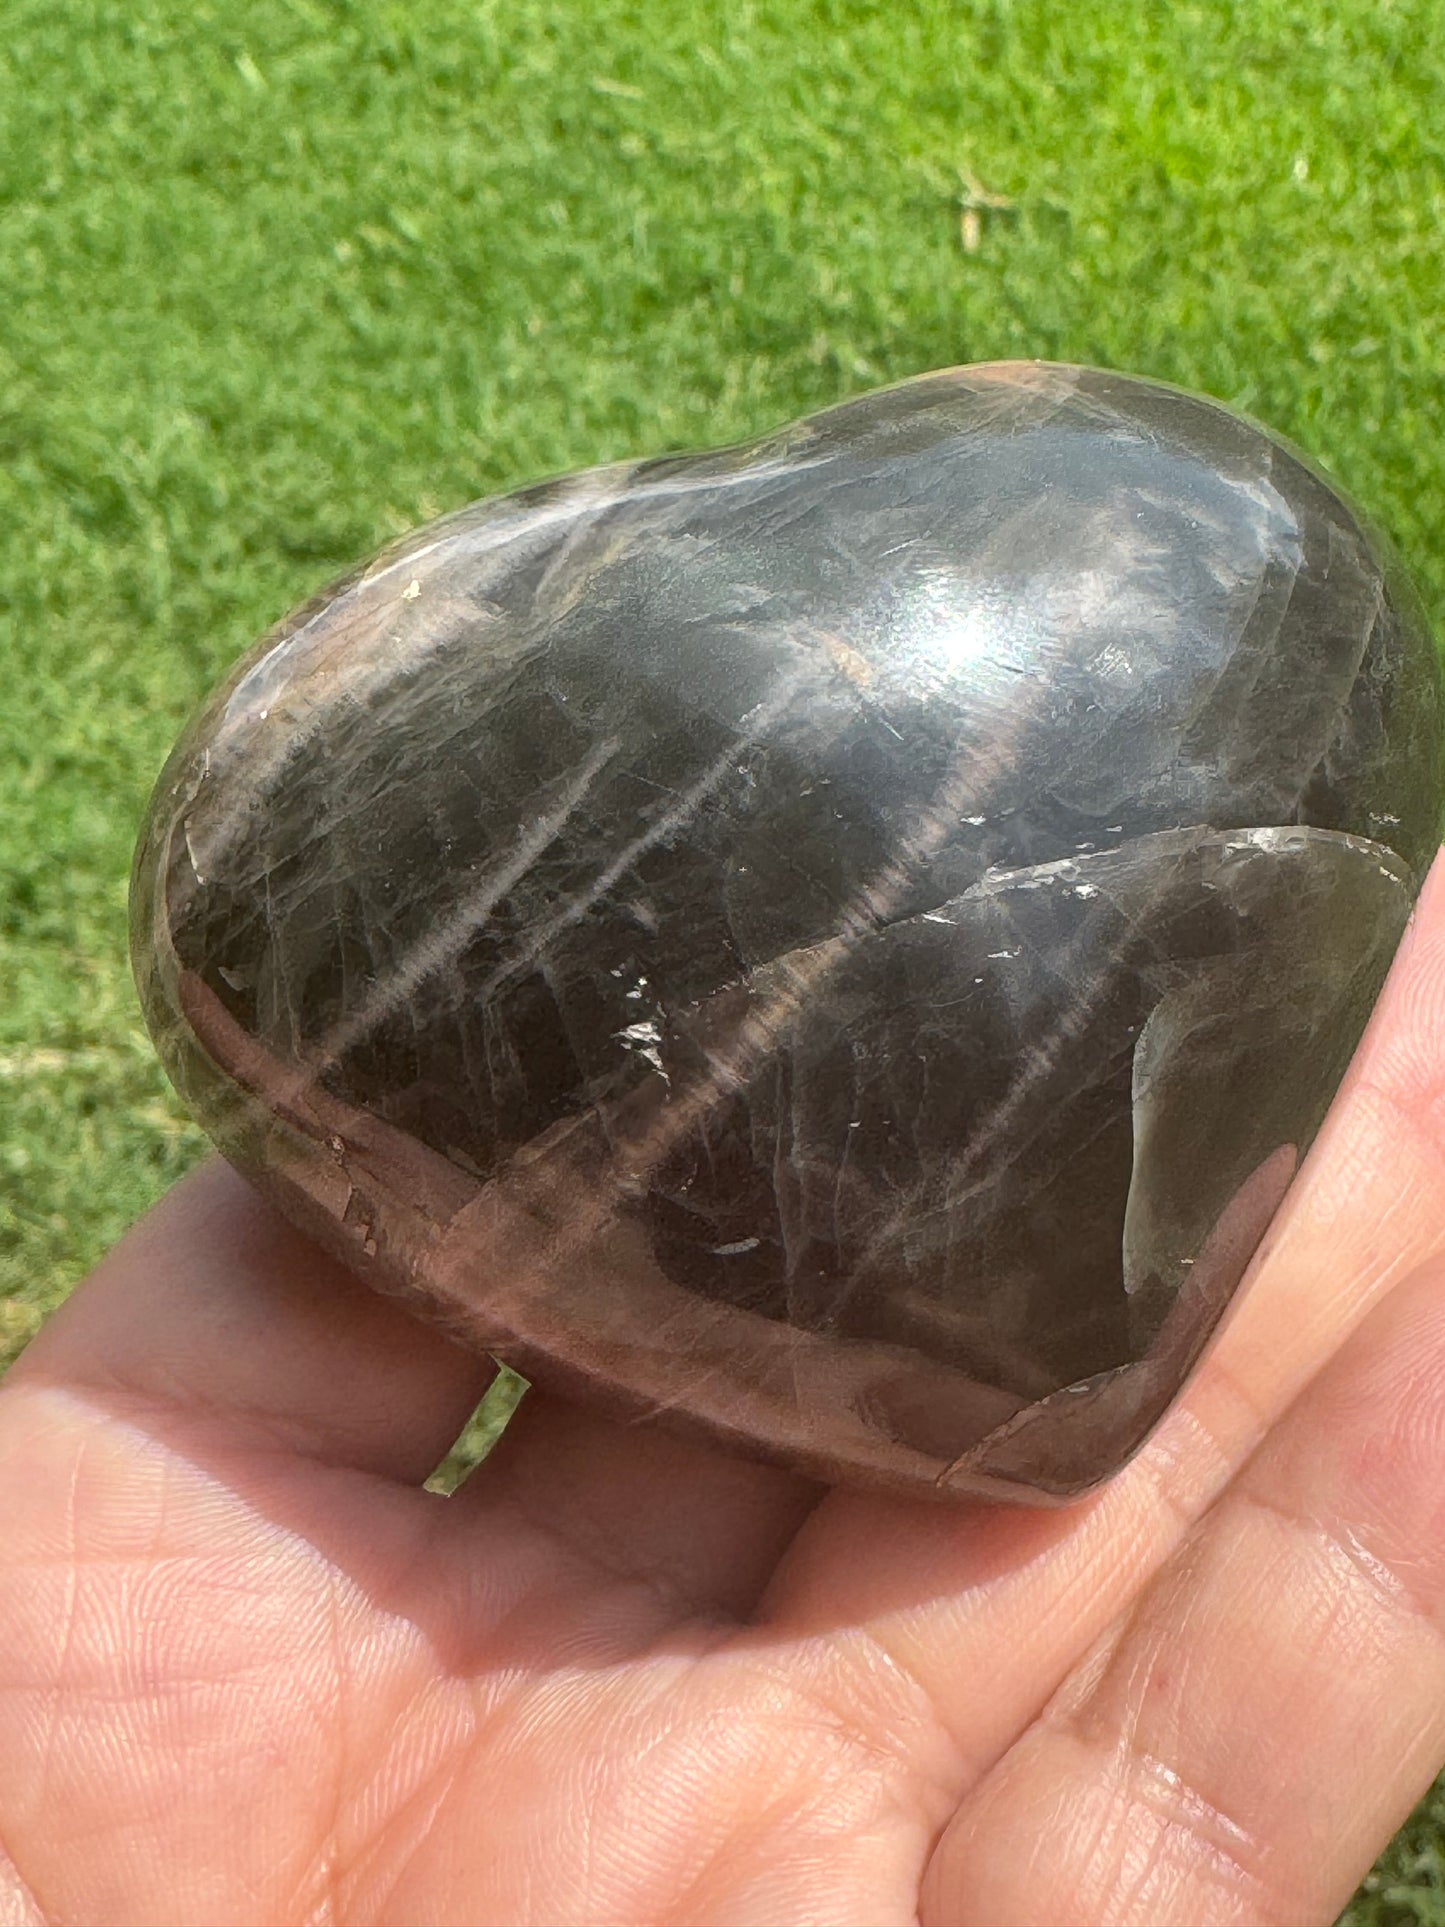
<point>252,1671</point>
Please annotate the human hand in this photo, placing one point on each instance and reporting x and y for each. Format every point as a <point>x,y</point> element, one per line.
<point>251,1671</point>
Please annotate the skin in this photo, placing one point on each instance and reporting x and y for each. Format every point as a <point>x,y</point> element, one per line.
<point>252,1672</point>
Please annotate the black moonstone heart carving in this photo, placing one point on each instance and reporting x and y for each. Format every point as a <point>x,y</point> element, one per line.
<point>841,943</point>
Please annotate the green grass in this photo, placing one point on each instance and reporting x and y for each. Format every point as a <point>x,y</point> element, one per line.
<point>278,279</point>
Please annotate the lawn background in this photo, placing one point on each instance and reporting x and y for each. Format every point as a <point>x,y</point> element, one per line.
<point>280,278</point>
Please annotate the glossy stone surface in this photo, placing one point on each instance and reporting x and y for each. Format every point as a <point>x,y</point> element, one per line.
<point>842,942</point>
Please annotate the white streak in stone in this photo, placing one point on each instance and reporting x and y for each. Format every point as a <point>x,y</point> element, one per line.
<point>442,945</point>
<point>661,831</point>
<point>399,614</point>
<point>802,974</point>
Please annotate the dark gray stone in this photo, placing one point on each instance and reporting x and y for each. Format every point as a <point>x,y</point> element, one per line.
<point>841,942</point>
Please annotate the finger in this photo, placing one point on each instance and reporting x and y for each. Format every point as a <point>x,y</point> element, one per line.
<point>987,1607</point>
<point>1191,1767</point>
<point>216,1311</point>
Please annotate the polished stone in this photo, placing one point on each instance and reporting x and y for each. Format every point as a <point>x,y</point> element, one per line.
<point>841,942</point>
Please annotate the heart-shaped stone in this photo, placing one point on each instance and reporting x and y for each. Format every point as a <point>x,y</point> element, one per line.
<point>840,943</point>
